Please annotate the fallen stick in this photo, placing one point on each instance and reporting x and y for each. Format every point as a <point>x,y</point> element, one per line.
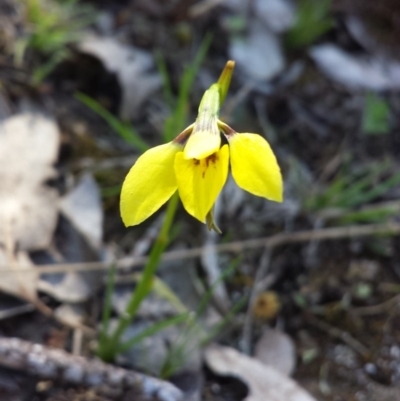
<point>323,234</point>
<point>60,366</point>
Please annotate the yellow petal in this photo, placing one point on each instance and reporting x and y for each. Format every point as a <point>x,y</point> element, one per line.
<point>149,184</point>
<point>254,166</point>
<point>201,181</point>
<point>205,139</point>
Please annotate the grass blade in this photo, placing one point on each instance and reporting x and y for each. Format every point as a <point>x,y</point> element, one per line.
<point>125,131</point>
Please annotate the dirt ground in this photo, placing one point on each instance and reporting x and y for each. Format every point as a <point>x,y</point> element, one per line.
<point>310,287</point>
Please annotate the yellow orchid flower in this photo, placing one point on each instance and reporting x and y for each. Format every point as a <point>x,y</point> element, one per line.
<point>196,163</point>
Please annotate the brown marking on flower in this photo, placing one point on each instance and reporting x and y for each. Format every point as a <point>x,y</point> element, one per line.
<point>210,159</point>
<point>184,135</point>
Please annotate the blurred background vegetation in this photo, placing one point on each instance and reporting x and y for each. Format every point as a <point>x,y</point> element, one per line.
<point>87,86</point>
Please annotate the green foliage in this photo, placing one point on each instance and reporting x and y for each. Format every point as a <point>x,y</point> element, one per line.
<point>353,190</point>
<point>109,345</point>
<point>153,329</point>
<point>123,129</point>
<point>52,26</point>
<point>371,213</point>
<point>111,191</point>
<point>312,21</point>
<point>376,115</point>
<point>193,333</point>
<point>235,24</point>
<point>178,119</point>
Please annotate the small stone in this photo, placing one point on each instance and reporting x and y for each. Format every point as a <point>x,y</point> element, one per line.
<point>363,269</point>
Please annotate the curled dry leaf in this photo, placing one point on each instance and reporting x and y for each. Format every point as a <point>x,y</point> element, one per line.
<point>81,235</point>
<point>28,208</point>
<point>14,282</point>
<point>262,47</point>
<point>264,382</point>
<point>278,15</point>
<point>276,349</point>
<point>82,206</point>
<point>132,67</point>
<point>71,314</point>
<point>71,287</point>
<point>355,71</point>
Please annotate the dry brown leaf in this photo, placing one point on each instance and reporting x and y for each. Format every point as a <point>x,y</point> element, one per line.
<point>264,382</point>
<point>71,314</point>
<point>278,15</point>
<point>356,71</point>
<point>72,287</point>
<point>19,284</point>
<point>275,348</point>
<point>28,208</point>
<point>263,48</point>
<point>132,67</point>
<point>82,206</point>
<point>82,233</point>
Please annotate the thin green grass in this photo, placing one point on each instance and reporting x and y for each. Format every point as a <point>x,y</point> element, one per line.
<point>178,120</point>
<point>353,190</point>
<point>152,330</point>
<point>52,27</point>
<point>313,20</point>
<point>376,115</point>
<point>125,130</point>
<point>194,335</point>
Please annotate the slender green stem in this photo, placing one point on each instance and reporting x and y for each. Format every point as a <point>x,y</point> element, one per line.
<point>110,345</point>
<point>153,329</point>
<point>109,348</point>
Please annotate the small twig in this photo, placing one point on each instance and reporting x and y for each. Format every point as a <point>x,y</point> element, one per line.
<point>389,287</point>
<point>247,333</point>
<point>48,312</point>
<point>56,364</point>
<point>341,335</point>
<point>26,291</point>
<point>336,213</point>
<point>77,340</point>
<point>93,165</point>
<point>377,309</point>
<point>273,241</point>
<point>16,310</point>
